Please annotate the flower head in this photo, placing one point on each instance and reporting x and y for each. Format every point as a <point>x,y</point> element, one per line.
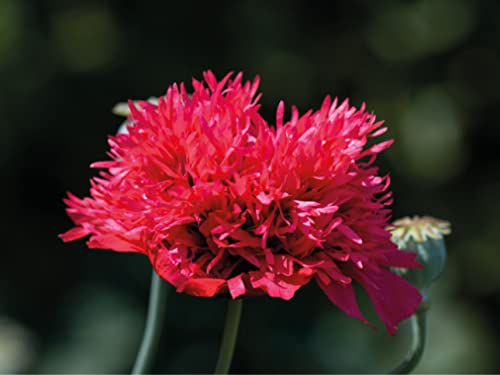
<point>223,203</point>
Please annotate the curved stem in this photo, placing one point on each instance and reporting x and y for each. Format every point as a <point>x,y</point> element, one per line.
<point>157,298</point>
<point>418,330</point>
<point>229,339</point>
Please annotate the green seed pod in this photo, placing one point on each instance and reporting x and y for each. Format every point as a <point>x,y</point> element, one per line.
<point>424,236</point>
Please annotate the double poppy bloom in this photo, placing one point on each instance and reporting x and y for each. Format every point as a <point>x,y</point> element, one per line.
<point>224,203</point>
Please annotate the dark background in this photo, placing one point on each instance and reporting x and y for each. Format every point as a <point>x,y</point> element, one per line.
<point>430,68</point>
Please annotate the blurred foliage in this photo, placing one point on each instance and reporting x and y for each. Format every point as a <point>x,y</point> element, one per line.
<point>430,68</point>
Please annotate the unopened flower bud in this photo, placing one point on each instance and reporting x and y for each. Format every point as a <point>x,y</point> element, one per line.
<point>123,109</point>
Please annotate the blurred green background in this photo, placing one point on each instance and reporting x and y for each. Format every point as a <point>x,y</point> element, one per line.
<point>430,68</point>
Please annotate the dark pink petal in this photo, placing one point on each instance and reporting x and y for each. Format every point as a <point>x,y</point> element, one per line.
<point>264,198</point>
<point>398,258</point>
<point>342,295</point>
<point>279,114</point>
<point>277,286</point>
<point>378,132</point>
<point>349,233</point>
<point>379,147</point>
<point>283,265</point>
<point>74,234</point>
<point>166,268</point>
<point>203,287</point>
<point>392,296</point>
<point>113,242</point>
<point>104,164</point>
<point>236,286</point>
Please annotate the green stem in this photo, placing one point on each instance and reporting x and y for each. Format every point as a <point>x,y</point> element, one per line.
<point>229,339</point>
<point>418,330</point>
<point>156,311</point>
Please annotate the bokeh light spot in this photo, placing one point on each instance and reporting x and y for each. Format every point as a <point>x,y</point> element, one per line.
<point>87,38</point>
<point>416,29</point>
<point>11,26</point>
<point>431,139</point>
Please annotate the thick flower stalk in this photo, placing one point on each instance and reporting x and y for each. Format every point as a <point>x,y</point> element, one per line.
<point>224,203</point>
<point>423,236</point>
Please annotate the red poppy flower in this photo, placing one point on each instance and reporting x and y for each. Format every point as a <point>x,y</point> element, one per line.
<point>223,203</point>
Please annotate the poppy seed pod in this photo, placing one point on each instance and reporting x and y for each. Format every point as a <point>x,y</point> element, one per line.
<point>424,236</point>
